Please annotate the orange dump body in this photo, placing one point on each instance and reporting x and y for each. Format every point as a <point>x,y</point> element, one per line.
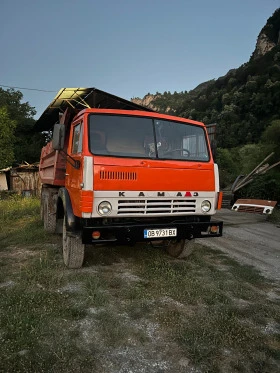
<point>52,166</point>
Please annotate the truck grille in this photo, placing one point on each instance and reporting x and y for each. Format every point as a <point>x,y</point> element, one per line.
<point>117,175</point>
<point>155,206</point>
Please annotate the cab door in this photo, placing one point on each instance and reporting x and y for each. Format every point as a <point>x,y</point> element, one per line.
<point>74,173</point>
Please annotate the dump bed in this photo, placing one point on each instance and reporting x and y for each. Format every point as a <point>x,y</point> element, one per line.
<point>52,166</point>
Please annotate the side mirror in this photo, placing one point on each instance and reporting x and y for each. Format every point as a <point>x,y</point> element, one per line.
<point>58,136</point>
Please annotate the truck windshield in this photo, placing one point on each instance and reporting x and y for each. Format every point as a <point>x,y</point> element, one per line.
<point>138,137</point>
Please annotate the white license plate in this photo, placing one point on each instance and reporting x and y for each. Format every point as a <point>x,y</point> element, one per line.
<point>155,233</point>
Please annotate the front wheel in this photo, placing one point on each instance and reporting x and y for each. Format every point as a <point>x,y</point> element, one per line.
<point>73,249</point>
<point>180,249</point>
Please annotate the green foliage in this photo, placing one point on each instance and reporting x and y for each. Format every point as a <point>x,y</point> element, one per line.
<point>265,186</point>
<point>271,138</point>
<point>243,160</point>
<point>228,166</point>
<point>7,138</point>
<point>275,216</point>
<point>12,100</point>
<point>250,156</point>
<point>26,144</point>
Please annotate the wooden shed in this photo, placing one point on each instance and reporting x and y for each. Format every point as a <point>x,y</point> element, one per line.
<point>24,179</point>
<point>4,178</point>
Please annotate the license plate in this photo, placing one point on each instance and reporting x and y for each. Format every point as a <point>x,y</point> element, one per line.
<point>155,233</point>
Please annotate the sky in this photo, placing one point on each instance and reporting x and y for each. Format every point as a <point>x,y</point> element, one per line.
<point>126,47</point>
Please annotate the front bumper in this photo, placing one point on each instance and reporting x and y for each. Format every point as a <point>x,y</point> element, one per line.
<point>132,233</point>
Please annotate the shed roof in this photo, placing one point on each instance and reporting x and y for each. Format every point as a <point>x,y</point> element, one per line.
<point>81,98</point>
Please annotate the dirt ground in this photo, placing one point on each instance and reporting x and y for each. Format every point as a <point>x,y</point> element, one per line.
<point>250,239</point>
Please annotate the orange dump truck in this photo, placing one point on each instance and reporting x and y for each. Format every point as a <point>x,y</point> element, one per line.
<point>116,172</point>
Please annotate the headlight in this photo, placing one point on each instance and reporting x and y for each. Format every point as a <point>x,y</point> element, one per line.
<point>104,208</point>
<point>205,206</point>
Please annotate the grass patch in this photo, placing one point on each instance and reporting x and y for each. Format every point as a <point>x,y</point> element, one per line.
<point>19,223</point>
<point>215,315</point>
<point>208,334</point>
<point>17,207</point>
<point>35,316</point>
<point>115,331</point>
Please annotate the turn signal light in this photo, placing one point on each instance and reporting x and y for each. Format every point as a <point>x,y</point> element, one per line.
<point>86,200</point>
<point>214,229</point>
<point>96,235</point>
<point>220,200</point>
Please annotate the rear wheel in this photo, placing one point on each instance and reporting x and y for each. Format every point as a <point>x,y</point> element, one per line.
<point>42,208</point>
<point>49,218</point>
<point>73,249</point>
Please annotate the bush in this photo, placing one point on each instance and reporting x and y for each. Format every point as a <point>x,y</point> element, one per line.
<point>228,166</point>
<point>262,187</point>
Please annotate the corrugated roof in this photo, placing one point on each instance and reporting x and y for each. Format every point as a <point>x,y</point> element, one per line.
<point>5,169</point>
<point>81,98</point>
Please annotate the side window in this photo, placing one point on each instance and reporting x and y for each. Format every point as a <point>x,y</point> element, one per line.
<point>77,139</point>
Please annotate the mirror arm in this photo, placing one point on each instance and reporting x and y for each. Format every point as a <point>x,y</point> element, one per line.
<point>74,163</point>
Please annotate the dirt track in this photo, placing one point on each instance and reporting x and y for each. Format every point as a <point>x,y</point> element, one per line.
<point>250,239</point>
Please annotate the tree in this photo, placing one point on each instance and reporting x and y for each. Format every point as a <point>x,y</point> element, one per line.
<point>27,144</point>
<point>17,110</point>
<point>271,138</point>
<point>7,138</point>
<point>228,166</point>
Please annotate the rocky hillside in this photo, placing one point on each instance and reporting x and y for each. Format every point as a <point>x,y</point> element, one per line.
<point>269,37</point>
<point>146,100</point>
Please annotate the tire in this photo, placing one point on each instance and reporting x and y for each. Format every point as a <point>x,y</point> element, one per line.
<point>73,249</point>
<point>42,208</point>
<point>188,249</point>
<point>180,249</point>
<point>49,218</point>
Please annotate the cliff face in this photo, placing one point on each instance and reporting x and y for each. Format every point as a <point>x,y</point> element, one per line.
<point>263,46</point>
<point>269,36</point>
<point>145,101</point>
<point>149,100</point>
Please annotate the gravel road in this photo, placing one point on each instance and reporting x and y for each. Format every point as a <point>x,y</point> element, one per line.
<point>250,239</point>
